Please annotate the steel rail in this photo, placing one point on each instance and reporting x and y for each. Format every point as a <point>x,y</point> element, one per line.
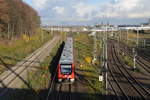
<point>131,77</point>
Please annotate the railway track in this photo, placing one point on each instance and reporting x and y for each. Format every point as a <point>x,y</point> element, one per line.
<point>16,75</point>
<point>145,75</point>
<point>20,64</point>
<point>144,94</point>
<point>116,86</point>
<point>145,56</point>
<point>60,91</point>
<point>56,90</point>
<point>64,92</point>
<point>141,61</point>
<point>134,84</point>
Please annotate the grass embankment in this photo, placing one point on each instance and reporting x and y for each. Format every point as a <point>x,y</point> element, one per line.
<point>142,37</point>
<point>14,51</point>
<point>84,49</point>
<point>38,79</point>
<point>132,37</point>
<point>130,63</point>
<point>41,78</point>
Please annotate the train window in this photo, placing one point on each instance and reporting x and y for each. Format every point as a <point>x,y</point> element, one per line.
<point>66,69</point>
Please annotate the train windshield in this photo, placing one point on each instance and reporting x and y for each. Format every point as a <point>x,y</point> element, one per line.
<point>66,69</point>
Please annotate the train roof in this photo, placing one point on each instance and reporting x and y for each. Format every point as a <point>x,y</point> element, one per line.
<point>67,53</point>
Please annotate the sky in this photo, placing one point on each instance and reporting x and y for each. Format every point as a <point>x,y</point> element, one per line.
<point>89,12</point>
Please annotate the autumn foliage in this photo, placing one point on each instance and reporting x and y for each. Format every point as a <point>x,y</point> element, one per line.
<point>17,18</point>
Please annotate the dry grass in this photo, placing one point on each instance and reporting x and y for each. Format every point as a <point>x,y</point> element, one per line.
<point>20,48</point>
<point>134,35</point>
<point>84,48</point>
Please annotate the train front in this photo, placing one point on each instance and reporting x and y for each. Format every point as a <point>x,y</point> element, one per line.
<point>66,64</point>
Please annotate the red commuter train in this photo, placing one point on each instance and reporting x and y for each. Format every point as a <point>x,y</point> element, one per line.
<point>66,67</point>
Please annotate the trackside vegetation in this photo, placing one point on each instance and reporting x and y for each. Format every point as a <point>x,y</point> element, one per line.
<point>14,51</point>
<point>38,79</point>
<point>83,45</point>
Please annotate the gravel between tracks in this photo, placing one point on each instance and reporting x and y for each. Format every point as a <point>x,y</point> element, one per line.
<point>126,87</point>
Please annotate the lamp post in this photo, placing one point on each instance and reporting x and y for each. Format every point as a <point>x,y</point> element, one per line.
<point>42,35</point>
<point>134,58</point>
<point>144,43</point>
<point>95,48</point>
<point>106,67</point>
<point>127,36</point>
<point>137,38</point>
<point>118,40</point>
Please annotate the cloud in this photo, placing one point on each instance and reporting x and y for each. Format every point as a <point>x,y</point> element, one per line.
<point>116,8</point>
<point>83,10</point>
<point>59,10</point>
<point>39,4</point>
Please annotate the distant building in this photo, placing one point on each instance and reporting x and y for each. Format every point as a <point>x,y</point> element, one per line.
<point>146,24</point>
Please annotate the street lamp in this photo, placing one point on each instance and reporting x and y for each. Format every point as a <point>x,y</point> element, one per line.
<point>106,67</point>
<point>95,47</point>
<point>144,43</point>
<point>127,35</point>
<point>137,37</point>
